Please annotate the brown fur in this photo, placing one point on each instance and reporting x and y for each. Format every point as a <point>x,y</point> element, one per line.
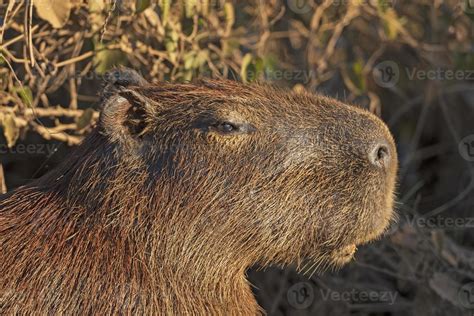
<point>160,212</point>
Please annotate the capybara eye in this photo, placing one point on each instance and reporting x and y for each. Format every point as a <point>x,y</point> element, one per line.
<point>227,127</point>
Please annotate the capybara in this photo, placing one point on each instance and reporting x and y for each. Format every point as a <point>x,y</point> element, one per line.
<point>180,188</point>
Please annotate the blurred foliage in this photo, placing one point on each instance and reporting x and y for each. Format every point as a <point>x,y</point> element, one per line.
<point>54,53</point>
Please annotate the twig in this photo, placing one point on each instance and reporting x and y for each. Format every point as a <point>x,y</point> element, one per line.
<point>63,137</point>
<point>5,19</point>
<point>3,185</point>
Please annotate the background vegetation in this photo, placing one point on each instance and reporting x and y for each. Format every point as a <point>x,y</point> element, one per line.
<point>410,61</point>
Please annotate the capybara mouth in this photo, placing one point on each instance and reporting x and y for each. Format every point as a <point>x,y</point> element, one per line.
<point>334,259</point>
<point>344,254</point>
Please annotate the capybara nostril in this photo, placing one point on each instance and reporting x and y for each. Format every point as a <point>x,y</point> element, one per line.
<point>379,155</point>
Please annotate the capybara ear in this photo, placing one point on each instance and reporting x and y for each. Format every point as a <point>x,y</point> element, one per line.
<point>127,115</point>
<point>120,77</point>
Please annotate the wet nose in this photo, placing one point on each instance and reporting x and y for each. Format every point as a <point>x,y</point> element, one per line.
<point>380,154</point>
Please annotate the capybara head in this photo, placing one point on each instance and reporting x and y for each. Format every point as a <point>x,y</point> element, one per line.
<point>254,173</point>
<point>182,187</point>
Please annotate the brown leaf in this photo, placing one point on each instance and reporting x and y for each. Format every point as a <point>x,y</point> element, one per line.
<point>10,129</point>
<point>56,12</point>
